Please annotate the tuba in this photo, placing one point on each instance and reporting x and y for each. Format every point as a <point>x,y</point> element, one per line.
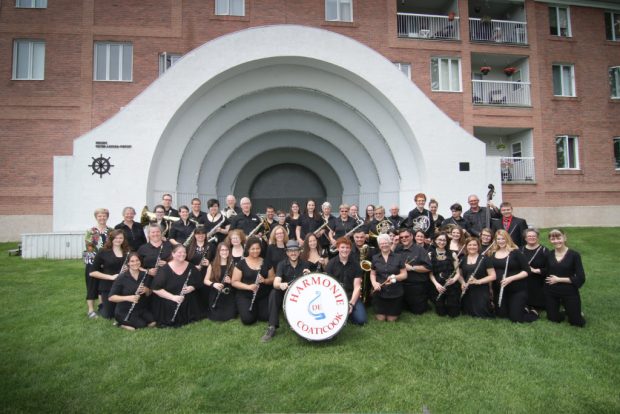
<point>147,217</point>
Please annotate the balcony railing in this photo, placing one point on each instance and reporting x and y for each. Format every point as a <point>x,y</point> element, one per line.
<point>427,26</point>
<point>518,169</point>
<point>498,31</point>
<point>501,93</point>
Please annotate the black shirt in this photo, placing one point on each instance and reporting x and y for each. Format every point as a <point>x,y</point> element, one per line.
<point>275,255</point>
<point>480,269</point>
<point>248,276</point>
<point>415,256</point>
<point>342,227</point>
<point>476,221</point>
<point>516,264</point>
<point>181,231</point>
<point>246,223</point>
<point>345,273</point>
<point>442,265</point>
<point>134,235</point>
<point>149,253</point>
<point>571,267</point>
<point>309,224</point>
<point>421,220</point>
<point>107,263</point>
<point>172,212</point>
<point>201,218</point>
<point>288,273</point>
<point>126,285</point>
<point>210,225</point>
<point>397,221</point>
<point>383,269</point>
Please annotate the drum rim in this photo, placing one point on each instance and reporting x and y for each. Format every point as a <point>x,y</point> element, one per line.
<point>346,320</point>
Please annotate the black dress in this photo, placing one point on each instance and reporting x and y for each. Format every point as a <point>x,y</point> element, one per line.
<point>225,308</point>
<point>126,285</point>
<point>108,263</point>
<point>442,266</point>
<point>274,256</point>
<point>389,300</point>
<point>536,258</point>
<point>563,293</point>
<point>202,291</point>
<point>514,298</point>
<point>163,309</point>
<point>477,299</point>
<point>292,227</point>
<point>260,308</point>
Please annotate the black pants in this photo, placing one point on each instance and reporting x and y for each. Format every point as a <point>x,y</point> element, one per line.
<point>106,307</point>
<point>572,305</point>
<point>92,284</point>
<point>276,297</point>
<point>416,297</point>
<point>259,312</point>
<point>513,306</point>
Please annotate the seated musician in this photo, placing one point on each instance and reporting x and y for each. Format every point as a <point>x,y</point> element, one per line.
<point>287,271</point>
<point>131,311</point>
<point>348,272</point>
<point>156,252</point>
<point>221,297</point>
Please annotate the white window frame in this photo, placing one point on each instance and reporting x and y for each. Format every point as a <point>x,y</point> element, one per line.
<point>167,60</point>
<point>223,7</point>
<point>610,15</point>
<point>107,66</point>
<point>520,149</point>
<point>405,68</point>
<point>556,10</point>
<point>442,88</point>
<point>562,81</point>
<point>616,141</point>
<point>614,78</point>
<point>566,139</point>
<point>339,5</point>
<point>31,4</point>
<point>30,63</point>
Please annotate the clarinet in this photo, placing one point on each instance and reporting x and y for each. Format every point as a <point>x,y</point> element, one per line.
<point>124,266</point>
<point>256,291</point>
<point>174,316</point>
<point>219,292</point>
<point>449,277</point>
<point>133,305</point>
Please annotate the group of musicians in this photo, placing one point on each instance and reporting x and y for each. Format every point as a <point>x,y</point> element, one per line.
<point>181,266</point>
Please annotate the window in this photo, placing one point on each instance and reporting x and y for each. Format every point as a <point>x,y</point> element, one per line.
<point>404,68</point>
<point>614,81</point>
<point>617,152</point>
<point>564,80</point>
<point>31,4</point>
<point>446,74</point>
<point>559,21</point>
<point>339,10</point>
<point>612,26</point>
<point>567,152</point>
<point>516,150</point>
<point>166,60</point>
<point>113,61</point>
<point>230,7</point>
<point>28,59</point>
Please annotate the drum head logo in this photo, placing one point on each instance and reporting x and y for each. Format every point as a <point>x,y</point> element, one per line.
<point>316,306</point>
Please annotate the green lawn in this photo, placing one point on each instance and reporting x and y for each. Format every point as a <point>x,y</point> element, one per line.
<point>55,359</point>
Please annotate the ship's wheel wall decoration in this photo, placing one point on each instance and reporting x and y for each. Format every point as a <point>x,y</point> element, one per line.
<point>101,165</point>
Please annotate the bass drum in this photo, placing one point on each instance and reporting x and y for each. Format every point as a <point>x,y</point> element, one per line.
<point>316,306</point>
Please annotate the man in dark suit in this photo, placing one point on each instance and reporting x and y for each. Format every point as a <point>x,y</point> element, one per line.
<point>515,226</point>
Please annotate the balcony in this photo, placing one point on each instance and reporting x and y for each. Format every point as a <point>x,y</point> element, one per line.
<point>517,169</point>
<point>497,31</point>
<point>428,26</point>
<point>502,93</point>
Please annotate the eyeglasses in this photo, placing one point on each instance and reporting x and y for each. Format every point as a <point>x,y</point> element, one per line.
<point>402,236</point>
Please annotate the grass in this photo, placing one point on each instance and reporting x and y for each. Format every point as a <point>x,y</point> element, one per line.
<point>55,359</point>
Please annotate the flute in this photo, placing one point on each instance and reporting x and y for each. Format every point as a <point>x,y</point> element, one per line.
<point>225,289</point>
<point>133,305</point>
<point>501,289</point>
<point>471,277</point>
<point>174,316</point>
<point>256,291</point>
<point>124,266</point>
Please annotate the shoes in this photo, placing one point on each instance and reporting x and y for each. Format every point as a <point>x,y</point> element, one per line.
<point>271,331</point>
<point>92,315</point>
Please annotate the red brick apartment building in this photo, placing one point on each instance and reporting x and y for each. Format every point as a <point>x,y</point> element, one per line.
<point>537,81</point>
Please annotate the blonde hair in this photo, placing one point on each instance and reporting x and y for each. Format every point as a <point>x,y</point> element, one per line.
<point>510,245</point>
<point>102,211</point>
<point>272,235</point>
